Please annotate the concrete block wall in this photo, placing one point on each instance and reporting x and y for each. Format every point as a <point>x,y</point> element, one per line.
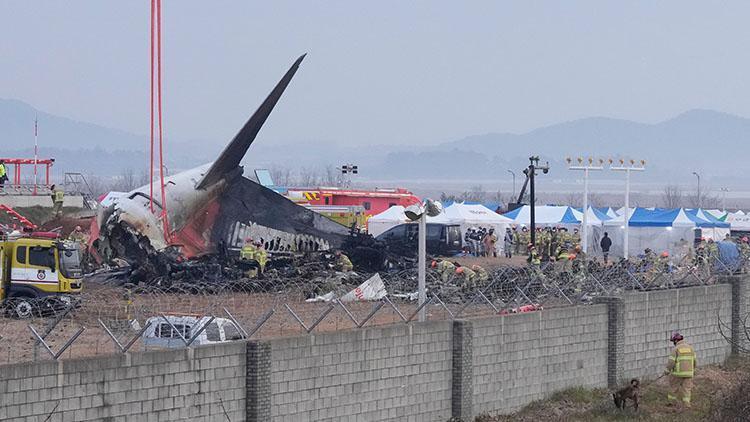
<point>407,372</point>
<point>197,384</point>
<point>525,357</point>
<point>400,372</point>
<point>651,317</point>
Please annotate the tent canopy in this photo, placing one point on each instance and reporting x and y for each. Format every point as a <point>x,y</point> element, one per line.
<point>739,221</point>
<point>473,214</point>
<point>661,217</point>
<point>555,215</point>
<point>709,217</point>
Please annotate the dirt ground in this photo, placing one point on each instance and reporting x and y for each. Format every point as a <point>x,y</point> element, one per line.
<point>109,305</point>
<point>715,387</point>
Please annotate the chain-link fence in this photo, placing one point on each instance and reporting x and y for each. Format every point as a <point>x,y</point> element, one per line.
<point>118,317</point>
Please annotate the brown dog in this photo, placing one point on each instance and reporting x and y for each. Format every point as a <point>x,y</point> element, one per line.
<point>630,392</point>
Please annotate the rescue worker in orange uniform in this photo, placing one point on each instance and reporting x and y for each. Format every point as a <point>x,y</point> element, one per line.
<point>681,369</point>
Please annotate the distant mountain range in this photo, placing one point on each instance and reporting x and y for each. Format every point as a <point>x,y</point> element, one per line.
<point>711,142</point>
<point>698,140</point>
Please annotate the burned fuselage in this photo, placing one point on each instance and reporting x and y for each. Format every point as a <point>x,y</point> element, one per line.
<point>212,207</point>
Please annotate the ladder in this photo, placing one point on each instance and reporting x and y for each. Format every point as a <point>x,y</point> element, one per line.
<point>76,184</point>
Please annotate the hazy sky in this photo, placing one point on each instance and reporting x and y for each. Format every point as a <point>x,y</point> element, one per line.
<point>379,71</point>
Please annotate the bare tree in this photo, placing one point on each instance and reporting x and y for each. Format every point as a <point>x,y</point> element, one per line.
<point>474,194</point>
<point>309,177</point>
<point>126,181</point>
<point>574,199</point>
<point>706,199</point>
<point>143,177</point>
<point>672,197</point>
<point>332,176</point>
<point>444,197</point>
<point>281,176</point>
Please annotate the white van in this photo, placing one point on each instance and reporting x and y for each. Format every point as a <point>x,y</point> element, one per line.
<point>161,334</point>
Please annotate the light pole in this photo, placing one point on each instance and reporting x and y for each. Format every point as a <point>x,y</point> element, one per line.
<point>514,179</point>
<point>346,171</point>
<point>699,188</point>
<point>626,215</point>
<point>724,199</point>
<point>419,213</point>
<point>586,168</point>
<point>531,173</point>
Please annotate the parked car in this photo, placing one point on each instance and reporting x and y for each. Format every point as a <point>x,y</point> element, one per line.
<point>442,239</point>
<point>161,334</point>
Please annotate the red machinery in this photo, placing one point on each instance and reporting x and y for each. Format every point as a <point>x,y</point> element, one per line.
<point>17,218</point>
<point>18,162</point>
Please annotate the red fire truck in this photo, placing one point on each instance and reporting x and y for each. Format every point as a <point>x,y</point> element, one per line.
<point>372,201</point>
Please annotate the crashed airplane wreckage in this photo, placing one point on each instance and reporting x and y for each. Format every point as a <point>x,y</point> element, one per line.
<point>211,209</point>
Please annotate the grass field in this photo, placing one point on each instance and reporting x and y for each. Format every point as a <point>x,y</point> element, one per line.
<point>717,396</point>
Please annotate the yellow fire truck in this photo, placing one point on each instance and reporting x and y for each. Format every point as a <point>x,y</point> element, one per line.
<point>37,272</point>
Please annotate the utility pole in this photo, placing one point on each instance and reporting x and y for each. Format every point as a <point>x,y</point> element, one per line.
<point>514,179</point>
<point>586,168</point>
<point>724,198</point>
<point>699,188</point>
<point>626,215</point>
<point>531,172</point>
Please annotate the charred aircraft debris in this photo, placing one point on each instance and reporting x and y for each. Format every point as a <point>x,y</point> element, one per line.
<point>212,210</point>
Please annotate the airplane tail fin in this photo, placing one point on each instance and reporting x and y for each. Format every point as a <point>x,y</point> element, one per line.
<point>230,158</point>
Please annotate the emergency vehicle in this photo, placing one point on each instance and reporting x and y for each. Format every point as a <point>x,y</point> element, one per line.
<point>350,205</point>
<point>38,266</point>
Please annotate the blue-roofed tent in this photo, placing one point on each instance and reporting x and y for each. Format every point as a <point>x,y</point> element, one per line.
<point>609,211</point>
<point>551,215</point>
<point>716,229</point>
<point>661,229</point>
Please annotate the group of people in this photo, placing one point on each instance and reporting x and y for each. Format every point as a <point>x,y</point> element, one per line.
<point>467,277</point>
<point>727,254</point>
<point>254,253</point>
<point>254,250</point>
<point>550,241</point>
<point>481,241</point>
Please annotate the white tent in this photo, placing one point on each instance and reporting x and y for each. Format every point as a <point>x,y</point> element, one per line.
<point>476,216</point>
<point>479,216</point>
<point>739,221</point>
<point>611,213</point>
<point>391,217</point>
<point>670,230</point>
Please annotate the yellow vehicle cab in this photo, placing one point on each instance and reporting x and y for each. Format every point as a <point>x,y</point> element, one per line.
<point>38,266</point>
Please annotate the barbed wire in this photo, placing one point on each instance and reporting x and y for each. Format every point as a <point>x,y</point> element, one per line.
<point>117,316</point>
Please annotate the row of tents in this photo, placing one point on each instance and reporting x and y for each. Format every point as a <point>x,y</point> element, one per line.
<point>659,229</point>
<point>464,215</point>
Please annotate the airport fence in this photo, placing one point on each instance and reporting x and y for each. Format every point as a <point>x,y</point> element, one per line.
<point>116,318</point>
